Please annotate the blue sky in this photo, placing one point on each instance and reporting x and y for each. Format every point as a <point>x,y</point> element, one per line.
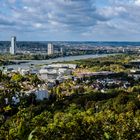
<point>72,20</point>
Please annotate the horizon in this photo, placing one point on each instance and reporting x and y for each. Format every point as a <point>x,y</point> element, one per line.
<point>70,41</point>
<point>70,20</point>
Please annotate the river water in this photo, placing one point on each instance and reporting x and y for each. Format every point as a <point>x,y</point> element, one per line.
<point>31,63</point>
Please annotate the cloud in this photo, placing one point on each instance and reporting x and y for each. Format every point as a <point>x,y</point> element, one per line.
<point>71,17</point>
<point>12,1</point>
<point>69,14</point>
<point>6,22</point>
<point>137,2</point>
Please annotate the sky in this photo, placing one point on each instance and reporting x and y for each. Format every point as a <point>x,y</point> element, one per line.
<point>70,20</point>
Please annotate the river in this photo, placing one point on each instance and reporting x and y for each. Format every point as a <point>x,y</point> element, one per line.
<point>30,63</point>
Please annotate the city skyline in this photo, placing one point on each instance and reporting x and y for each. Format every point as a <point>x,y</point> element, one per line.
<point>13,46</point>
<point>70,20</point>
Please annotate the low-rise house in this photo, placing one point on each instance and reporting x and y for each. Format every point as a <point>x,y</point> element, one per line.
<point>24,71</point>
<point>8,70</point>
<point>34,71</point>
<point>50,85</point>
<point>71,66</point>
<point>15,99</point>
<point>135,63</point>
<point>135,73</point>
<point>54,72</point>
<point>101,73</point>
<point>27,71</point>
<point>41,94</point>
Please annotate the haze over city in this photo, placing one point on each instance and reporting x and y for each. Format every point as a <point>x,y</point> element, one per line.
<point>72,20</point>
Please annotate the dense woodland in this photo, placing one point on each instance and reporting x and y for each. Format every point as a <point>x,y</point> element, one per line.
<point>84,114</point>
<point>115,63</point>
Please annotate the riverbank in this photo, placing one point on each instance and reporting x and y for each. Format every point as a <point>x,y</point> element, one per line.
<point>34,63</point>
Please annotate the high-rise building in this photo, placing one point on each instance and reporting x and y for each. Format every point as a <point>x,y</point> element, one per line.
<point>61,50</point>
<point>13,45</point>
<point>50,49</point>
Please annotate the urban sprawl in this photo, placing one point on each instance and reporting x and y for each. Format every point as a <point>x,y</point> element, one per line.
<point>94,98</point>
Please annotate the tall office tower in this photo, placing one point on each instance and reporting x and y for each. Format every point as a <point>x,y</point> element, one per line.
<point>13,45</point>
<point>61,50</point>
<point>50,49</point>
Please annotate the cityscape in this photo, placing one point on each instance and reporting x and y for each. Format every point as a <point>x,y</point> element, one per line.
<point>60,48</point>
<point>69,70</point>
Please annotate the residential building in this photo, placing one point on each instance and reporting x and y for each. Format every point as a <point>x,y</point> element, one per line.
<point>41,94</point>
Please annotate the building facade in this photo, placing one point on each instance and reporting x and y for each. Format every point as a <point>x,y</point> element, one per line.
<point>61,50</point>
<point>50,49</point>
<point>13,45</point>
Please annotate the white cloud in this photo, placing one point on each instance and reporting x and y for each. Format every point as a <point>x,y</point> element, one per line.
<point>38,25</point>
<point>11,1</point>
<point>137,2</point>
<point>71,16</point>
